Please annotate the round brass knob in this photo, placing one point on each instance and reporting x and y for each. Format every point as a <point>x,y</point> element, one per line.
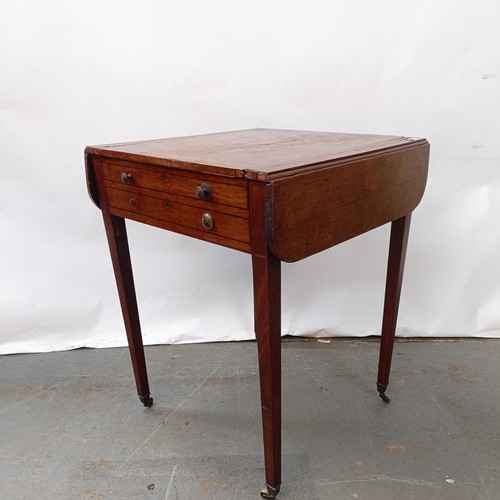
<point>203,192</point>
<point>126,178</point>
<point>208,221</point>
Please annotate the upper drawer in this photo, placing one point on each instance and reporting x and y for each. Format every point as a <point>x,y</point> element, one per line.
<point>233,192</point>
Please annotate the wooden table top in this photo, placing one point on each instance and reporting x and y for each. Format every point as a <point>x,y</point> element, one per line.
<point>263,154</point>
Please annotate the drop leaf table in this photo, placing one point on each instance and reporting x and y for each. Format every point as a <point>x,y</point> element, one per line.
<point>278,195</point>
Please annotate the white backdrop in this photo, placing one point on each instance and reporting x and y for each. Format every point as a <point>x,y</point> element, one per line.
<point>80,73</point>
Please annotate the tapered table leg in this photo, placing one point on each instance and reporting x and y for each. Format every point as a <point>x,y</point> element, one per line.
<point>267,300</point>
<point>267,321</point>
<point>118,245</point>
<point>395,267</point>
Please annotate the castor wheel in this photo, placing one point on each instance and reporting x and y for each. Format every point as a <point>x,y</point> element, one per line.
<point>385,398</point>
<point>381,388</point>
<point>270,492</point>
<point>147,400</point>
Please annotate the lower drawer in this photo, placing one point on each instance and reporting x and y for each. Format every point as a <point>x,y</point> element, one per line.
<point>206,222</point>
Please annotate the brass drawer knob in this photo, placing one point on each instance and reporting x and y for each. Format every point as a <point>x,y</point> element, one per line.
<point>126,178</point>
<point>208,221</point>
<point>203,192</point>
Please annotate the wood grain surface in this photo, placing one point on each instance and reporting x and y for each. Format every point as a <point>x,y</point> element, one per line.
<point>314,211</point>
<point>256,154</point>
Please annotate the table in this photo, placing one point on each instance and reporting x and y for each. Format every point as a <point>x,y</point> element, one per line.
<point>278,195</point>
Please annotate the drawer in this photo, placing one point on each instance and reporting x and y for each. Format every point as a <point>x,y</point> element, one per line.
<point>207,188</point>
<point>162,207</point>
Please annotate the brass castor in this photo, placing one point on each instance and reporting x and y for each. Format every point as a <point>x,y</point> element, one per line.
<point>385,398</point>
<point>147,400</point>
<point>381,388</point>
<point>270,492</point>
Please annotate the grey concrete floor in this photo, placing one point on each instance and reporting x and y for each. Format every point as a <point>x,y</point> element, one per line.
<point>71,425</point>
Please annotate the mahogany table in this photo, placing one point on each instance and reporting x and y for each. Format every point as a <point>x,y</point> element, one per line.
<point>278,195</point>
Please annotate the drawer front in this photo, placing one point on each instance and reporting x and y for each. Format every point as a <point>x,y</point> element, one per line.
<point>163,207</point>
<point>205,188</point>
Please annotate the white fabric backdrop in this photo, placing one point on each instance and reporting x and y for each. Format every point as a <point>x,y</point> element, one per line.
<point>92,72</point>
